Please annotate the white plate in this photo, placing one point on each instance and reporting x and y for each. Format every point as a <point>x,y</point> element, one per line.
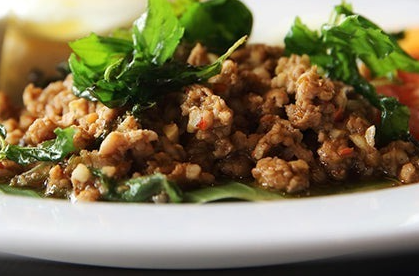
<point>224,234</point>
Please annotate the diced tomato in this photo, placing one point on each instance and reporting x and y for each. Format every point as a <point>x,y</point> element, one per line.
<point>408,92</point>
<point>409,78</point>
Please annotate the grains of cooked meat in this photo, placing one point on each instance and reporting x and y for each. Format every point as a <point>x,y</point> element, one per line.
<point>184,173</point>
<point>236,166</point>
<point>118,143</point>
<point>92,159</point>
<point>41,129</point>
<point>223,83</point>
<point>365,150</point>
<point>274,100</point>
<point>250,68</point>
<point>198,56</point>
<point>109,171</point>
<point>200,152</point>
<point>357,125</point>
<point>309,116</point>
<point>256,56</point>
<point>58,183</point>
<point>314,100</point>
<point>250,81</point>
<point>408,173</point>
<point>175,150</point>
<point>310,85</point>
<point>35,99</point>
<point>25,120</point>
<point>280,133</point>
<point>336,156</point>
<point>243,142</point>
<point>172,132</point>
<point>395,156</point>
<point>370,136</point>
<point>128,136</point>
<point>222,148</point>
<point>128,123</point>
<point>209,116</point>
<point>14,132</point>
<point>362,135</point>
<point>265,117</point>
<point>56,104</point>
<point>88,194</point>
<point>53,101</point>
<point>81,174</point>
<point>281,175</point>
<point>190,174</point>
<point>83,184</point>
<point>160,162</point>
<point>288,70</point>
<point>9,169</point>
<point>253,102</point>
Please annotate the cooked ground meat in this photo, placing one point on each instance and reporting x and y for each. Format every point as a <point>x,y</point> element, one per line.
<point>279,174</point>
<point>265,118</point>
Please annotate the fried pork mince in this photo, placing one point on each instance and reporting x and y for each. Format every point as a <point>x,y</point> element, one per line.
<point>266,118</point>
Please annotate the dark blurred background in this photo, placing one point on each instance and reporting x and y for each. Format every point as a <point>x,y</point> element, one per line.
<point>406,263</point>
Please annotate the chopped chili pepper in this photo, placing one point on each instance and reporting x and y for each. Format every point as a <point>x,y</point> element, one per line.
<point>202,124</point>
<point>345,152</point>
<point>338,116</point>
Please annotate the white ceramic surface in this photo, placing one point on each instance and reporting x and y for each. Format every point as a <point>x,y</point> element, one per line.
<point>224,234</point>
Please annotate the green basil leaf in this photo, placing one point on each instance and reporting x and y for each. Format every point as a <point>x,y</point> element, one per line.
<point>230,190</point>
<point>95,58</point>
<point>157,32</point>
<point>83,78</point>
<point>301,40</point>
<point>97,52</point>
<point>3,132</point>
<point>173,75</point>
<point>377,49</point>
<point>9,190</point>
<point>140,189</point>
<point>52,150</point>
<point>117,71</point>
<point>180,6</point>
<point>143,188</point>
<point>35,177</point>
<point>217,24</point>
<point>396,123</point>
<point>338,48</point>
